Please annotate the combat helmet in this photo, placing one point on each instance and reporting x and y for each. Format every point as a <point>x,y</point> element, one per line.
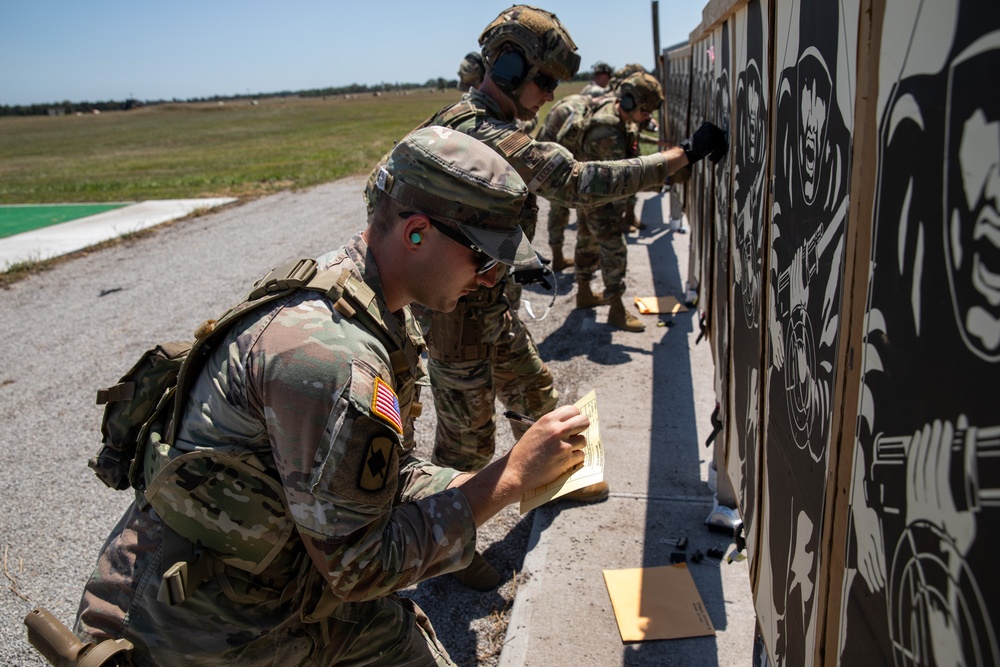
<point>623,73</point>
<point>524,41</point>
<point>471,70</point>
<point>640,90</point>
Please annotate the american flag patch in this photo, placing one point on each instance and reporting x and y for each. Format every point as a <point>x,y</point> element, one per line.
<point>386,405</point>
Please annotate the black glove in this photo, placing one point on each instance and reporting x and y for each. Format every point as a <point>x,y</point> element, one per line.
<point>708,140</point>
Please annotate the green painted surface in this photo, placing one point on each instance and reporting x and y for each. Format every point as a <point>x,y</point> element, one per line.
<point>18,219</point>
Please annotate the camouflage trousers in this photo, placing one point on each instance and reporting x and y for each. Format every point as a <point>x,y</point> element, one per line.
<point>557,223</point>
<point>465,392</point>
<point>600,242</point>
<point>676,209</point>
<point>261,627</point>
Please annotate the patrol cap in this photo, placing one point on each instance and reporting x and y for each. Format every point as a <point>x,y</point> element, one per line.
<point>448,175</point>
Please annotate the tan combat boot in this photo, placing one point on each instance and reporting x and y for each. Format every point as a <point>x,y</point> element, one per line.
<point>585,298</point>
<point>594,493</point>
<point>479,575</point>
<point>558,261</point>
<point>621,318</point>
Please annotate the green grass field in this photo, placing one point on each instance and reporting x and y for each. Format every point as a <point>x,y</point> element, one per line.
<point>176,151</point>
<point>180,151</point>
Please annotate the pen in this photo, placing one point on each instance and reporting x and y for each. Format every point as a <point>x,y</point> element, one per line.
<point>518,417</point>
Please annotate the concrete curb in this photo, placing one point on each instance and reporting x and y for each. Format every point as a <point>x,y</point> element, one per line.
<point>56,240</point>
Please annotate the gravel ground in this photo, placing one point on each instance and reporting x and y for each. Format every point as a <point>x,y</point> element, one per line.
<point>79,325</point>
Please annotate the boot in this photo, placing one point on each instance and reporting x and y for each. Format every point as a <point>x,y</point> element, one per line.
<point>594,493</point>
<point>479,575</point>
<point>558,261</point>
<point>621,318</point>
<point>585,298</point>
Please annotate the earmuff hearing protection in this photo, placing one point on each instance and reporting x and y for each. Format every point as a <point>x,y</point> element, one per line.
<point>416,238</point>
<point>509,70</point>
<point>627,102</point>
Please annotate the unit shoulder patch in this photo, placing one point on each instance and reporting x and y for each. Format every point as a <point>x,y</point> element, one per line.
<point>375,468</point>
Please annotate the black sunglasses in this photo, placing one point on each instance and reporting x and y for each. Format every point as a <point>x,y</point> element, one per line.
<point>486,263</point>
<point>546,82</point>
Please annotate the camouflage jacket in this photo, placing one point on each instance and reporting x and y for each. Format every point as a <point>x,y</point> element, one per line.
<point>593,90</point>
<point>606,136</point>
<point>311,399</point>
<point>549,169</point>
<point>314,395</point>
<point>560,113</point>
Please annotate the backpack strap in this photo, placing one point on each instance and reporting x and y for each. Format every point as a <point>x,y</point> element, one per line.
<point>403,354</point>
<point>454,115</point>
<point>279,282</point>
<point>350,296</point>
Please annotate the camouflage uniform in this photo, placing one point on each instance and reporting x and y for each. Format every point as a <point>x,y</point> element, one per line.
<point>557,223</point>
<point>255,397</point>
<point>629,222</point>
<point>557,117</point>
<point>594,89</point>
<point>290,488</point>
<point>528,126</point>
<point>481,350</point>
<point>599,240</point>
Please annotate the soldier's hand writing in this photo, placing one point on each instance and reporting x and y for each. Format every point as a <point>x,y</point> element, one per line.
<point>548,449</point>
<point>552,446</point>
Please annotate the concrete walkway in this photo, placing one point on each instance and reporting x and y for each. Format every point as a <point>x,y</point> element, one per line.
<point>67,237</point>
<point>654,416</point>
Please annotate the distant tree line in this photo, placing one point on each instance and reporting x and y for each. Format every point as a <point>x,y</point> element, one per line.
<point>69,108</point>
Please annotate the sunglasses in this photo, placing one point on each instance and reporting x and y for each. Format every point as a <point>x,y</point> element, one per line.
<point>546,82</point>
<point>486,263</point>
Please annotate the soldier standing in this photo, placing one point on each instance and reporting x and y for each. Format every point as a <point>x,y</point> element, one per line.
<point>650,125</point>
<point>295,424</point>
<point>560,112</point>
<point>599,83</point>
<point>482,350</point>
<point>611,132</point>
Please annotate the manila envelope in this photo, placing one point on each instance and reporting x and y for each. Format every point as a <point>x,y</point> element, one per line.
<point>649,305</point>
<point>657,603</point>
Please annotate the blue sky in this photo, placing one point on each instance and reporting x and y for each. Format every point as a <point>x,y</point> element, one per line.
<point>97,50</point>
